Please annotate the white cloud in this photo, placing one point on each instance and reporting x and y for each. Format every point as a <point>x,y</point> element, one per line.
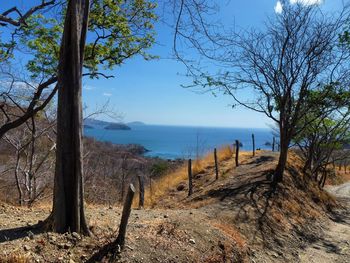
<point>306,2</point>
<point>107,94</point>
<point>88,87</point>
<point>278,7</point>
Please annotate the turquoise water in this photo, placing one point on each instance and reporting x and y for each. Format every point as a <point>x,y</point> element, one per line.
<point>171,142</point>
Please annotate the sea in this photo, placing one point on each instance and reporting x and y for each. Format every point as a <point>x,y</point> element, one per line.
<point>173,142</point>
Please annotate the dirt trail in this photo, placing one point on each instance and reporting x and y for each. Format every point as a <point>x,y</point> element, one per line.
<point>334,245</point>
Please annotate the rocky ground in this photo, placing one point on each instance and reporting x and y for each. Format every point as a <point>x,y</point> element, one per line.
<point>234,219</point>
<point>333,245</point>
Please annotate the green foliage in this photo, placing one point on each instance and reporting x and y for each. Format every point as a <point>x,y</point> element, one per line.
<point>118,30</point>
<point>159,168</point>
<point>6,49</point>
<point>42,36</point>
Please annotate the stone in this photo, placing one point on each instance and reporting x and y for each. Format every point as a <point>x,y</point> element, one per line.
<point>76,235</point>
<point>26,248</point>
<point>192,241</point>
<point>181,187</point>
<point>30,234</point>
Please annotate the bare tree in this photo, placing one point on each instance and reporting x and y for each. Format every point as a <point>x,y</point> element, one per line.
<point>297,52</point>
<point>21,16</point>
<point>32,160</point>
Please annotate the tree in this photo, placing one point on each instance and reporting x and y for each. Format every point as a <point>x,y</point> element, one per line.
<point>20,19</point>
<point>118,30</point>
<point>297,52</point>
<point>33,146</point>
<point>68,202</point>
<point>326,134</point>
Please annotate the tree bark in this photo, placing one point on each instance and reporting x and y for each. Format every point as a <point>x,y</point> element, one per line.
<point>125,216</point>
<point>282,161</point>
<point>68,204</point>
<point>253,141</point>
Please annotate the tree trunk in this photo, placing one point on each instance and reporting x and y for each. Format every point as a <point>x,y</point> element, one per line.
<point>253,141</point>
<point>18,183</point>
<point>68,204</point>
<point>282,161</point>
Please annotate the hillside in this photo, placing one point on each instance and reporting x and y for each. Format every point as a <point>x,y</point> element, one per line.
<point>238,218</point>
<point>93,123</point>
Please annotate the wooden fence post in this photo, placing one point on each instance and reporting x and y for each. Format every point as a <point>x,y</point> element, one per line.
<point>253,139</point>
<point>216,165</point>
<point>237,153</point>
<point>141,192</point>
<point>125,216</point>
<point>190,185</point>
<point>273,144</point>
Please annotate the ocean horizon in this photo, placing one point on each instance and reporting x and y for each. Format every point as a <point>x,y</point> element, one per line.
<point>173,142</point>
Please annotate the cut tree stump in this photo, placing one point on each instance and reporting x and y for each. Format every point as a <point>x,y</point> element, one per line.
<point>125,216</point>
<point>114,247</point>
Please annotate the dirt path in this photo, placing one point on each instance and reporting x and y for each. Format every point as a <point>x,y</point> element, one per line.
<point>334,246</point>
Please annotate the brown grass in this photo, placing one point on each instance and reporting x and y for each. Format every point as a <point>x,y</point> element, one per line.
<point>230,231</point>
<point>169,182</point>
<point>14,258</point>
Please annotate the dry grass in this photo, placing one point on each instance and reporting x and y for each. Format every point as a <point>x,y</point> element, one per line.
<point>14,258</point>
<point>230,231</point>
<point>169,182</point>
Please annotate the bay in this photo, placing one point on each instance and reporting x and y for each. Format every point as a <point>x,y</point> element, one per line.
<point>171,142</point>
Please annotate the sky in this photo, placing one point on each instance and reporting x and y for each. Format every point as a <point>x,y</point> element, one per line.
<point>151,92</point>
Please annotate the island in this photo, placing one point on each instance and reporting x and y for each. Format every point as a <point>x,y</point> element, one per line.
<point>117,126</point>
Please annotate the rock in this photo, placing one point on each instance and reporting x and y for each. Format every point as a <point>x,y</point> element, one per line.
<point>26,239</point>
<point>181,187</point>
<point>166,216</point>
<point>26,248</point>
<point>76,235</point>
<point>64,245</point>
<point>192,241</point>
<point>30,234</point>
<point>67,245</point>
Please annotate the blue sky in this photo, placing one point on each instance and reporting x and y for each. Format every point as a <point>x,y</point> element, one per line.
<point>151,92</point>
